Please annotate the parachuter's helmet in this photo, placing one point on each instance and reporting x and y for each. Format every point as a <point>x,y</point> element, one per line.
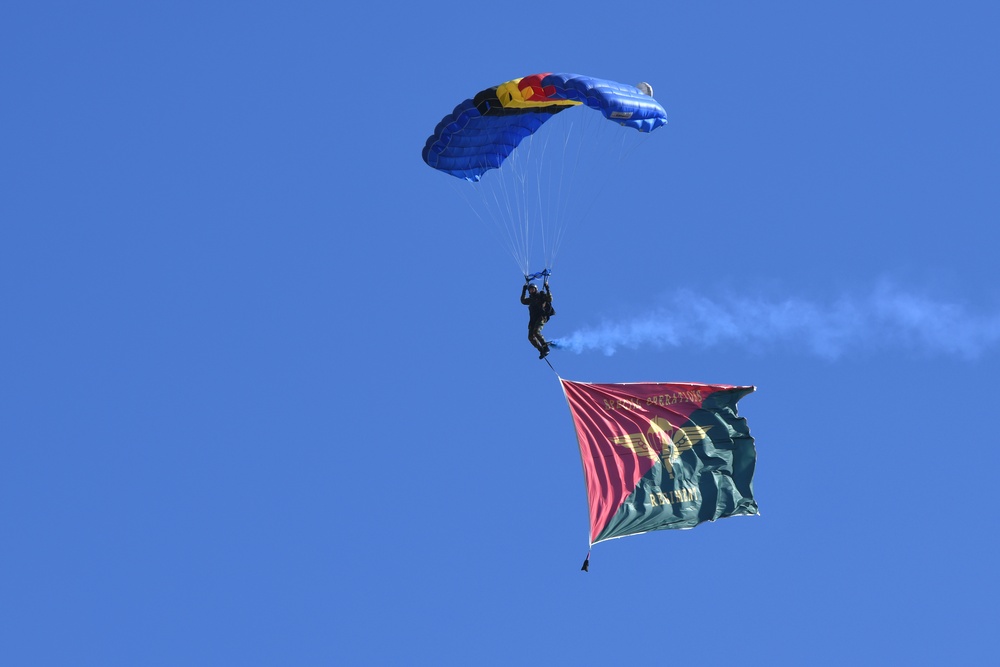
<point>532,288</point>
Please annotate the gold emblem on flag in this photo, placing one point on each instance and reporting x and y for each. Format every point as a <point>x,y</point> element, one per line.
<point>672,441</point>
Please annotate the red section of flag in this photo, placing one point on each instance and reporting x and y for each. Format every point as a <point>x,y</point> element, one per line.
<point>611,420</point>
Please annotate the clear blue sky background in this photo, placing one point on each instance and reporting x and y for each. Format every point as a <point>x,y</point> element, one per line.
<point>265,397</point>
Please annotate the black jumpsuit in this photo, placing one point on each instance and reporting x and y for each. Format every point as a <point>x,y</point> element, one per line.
<point>536,304</point>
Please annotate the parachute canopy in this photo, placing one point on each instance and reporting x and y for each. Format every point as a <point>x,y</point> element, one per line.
<point>483,131</point>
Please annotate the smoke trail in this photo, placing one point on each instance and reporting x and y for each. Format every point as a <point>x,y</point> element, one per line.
<point>886,319</point>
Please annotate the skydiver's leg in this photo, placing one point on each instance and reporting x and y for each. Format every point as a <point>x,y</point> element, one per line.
<point>538,333</point>
<point>534,335</point>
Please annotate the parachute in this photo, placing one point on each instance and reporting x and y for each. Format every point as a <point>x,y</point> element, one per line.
<point>525,184</point>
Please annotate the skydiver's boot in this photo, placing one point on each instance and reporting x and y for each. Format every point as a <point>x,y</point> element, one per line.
<point>544,350</point>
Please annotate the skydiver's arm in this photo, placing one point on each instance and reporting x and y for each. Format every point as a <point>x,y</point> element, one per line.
<point>525,300</point>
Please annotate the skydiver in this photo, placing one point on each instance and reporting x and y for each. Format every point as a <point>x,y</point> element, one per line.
<point>539,310</point>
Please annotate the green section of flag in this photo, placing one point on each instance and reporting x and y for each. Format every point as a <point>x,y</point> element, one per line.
<point>704,472</point>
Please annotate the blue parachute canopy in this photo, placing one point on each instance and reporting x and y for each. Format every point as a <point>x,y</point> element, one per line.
<point>483,131</point>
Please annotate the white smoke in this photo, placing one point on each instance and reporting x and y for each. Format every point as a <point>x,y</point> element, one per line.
<point>886,319</point>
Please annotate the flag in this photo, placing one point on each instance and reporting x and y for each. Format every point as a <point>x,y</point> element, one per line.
<point>661,455</point>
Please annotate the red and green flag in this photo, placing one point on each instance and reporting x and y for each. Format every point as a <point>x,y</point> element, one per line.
<point>661,455</point>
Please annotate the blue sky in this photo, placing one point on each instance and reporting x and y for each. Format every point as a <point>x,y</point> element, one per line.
<point>266,394</point>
